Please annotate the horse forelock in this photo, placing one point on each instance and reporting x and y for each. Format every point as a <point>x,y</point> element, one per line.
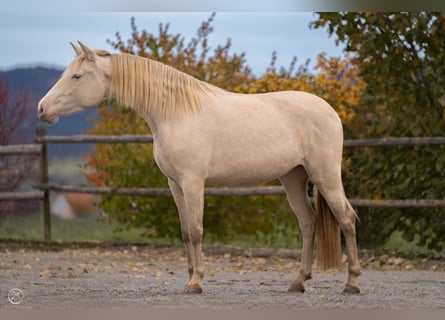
<point>148,85</point>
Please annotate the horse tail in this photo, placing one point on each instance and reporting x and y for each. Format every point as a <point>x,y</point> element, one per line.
<point>329,255</point>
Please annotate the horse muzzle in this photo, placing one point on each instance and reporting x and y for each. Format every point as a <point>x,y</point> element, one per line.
<point>45,117</point>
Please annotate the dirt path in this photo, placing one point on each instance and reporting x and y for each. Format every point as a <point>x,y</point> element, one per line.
<point>144,276</point>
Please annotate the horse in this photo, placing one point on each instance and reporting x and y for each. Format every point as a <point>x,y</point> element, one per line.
<point>206,135</point>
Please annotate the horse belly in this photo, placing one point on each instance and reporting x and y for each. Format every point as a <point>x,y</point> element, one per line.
<point>239,178</point>
<point>250,164</point>
<point>255,142</point>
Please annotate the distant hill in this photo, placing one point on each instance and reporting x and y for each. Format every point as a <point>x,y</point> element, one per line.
<point>37,81</point>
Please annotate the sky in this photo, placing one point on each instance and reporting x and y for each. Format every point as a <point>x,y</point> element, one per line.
<point>31,36</point>
<point>38,32</point>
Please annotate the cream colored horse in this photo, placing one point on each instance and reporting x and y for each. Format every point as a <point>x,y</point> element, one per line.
<point>203,134</point>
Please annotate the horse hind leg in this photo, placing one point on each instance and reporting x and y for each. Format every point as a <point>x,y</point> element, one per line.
<point>330,187</point>
<point>346,216</point>
<point>352,285</point>
<point>295,185</point>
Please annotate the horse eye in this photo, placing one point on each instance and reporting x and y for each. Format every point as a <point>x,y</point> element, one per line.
<point>76,76</point>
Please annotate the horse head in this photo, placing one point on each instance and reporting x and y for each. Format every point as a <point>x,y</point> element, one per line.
<point>84,84</point>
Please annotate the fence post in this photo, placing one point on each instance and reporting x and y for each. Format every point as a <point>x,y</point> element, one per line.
<point>45,206</point>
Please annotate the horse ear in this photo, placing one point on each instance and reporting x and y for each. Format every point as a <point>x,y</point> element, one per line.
<point>76,49</point>
<point>89,54</point>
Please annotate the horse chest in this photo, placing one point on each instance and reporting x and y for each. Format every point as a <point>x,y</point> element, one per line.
<point>177,158</point>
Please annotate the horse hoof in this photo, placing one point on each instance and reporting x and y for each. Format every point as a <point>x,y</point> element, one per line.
<point>352,289</point>
<point>296,287</point>
<point>193,288</point>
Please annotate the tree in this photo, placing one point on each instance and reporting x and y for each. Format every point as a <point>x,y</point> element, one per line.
<point>337,82</point>
<point>221,68</point>
<point>401,59</point>
<point>14,124</point>
<point>133,165</point>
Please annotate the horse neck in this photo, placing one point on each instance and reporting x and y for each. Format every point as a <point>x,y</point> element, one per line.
<point>169,93</point>
<point>153,121</point>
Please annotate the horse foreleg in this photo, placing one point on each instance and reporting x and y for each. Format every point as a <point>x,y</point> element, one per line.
<point>178,196</point>
<point>295,185</point>
<point>191,218</point>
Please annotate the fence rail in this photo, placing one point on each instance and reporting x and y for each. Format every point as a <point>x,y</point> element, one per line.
<point>256,191</point>
<point>23,195</point>
<point>81,138</point>
<point>44,187</point>
<point>404,141</point>
<point>20,149</point>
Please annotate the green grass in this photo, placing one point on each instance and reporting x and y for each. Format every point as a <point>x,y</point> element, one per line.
<point>91,229</point>
<point>94,229</point>
<point>78,229</point>
<point>398,244</point>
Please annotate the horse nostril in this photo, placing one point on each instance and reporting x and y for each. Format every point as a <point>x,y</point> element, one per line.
<point>40,109</point>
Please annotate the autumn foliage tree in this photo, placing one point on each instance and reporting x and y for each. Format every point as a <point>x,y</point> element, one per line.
<point>401,58</point>
<point>132,165</point>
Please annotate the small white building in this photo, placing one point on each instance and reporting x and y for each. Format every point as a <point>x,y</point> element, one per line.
<point>71,205</point>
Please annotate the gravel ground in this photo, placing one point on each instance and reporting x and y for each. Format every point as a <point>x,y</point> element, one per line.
<point>146,276</point>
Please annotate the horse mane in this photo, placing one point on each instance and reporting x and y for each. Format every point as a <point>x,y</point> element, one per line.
<point>147,85</point>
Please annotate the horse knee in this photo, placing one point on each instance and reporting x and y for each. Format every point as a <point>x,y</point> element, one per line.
<point>308,229</point>
<point>192,234</point>
<point>345,216</point>
<point>348,227</point>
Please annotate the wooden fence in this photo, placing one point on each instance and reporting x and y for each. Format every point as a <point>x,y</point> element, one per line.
<point>43,187</point>
<point>40,194</point>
